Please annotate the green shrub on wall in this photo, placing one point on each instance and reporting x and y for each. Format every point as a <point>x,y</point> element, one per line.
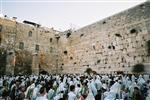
<point>138,68</point>
<point>88,70</point>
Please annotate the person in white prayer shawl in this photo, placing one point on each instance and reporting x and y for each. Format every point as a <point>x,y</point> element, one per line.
<point>148,96</point>
<point>93,88</point>
<point>110,96</point>
<point>43,95</point>
<point>140,80</point>
<point>78,90</point>
<point>71,94</point>
<point>133,78</point>
<point>131,88</point>
<point>35,92</point>
<point>58,96</point>
<point>128,83</point>
<point>29,91</point>
<point>60,87</point>
<point>90,95</point>
<point>116,88</point>
<point>98,83</point>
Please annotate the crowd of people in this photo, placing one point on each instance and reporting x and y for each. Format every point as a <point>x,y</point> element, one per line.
<point>75,87</point>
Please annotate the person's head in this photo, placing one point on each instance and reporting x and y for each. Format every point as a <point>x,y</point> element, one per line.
<point>78,85</point>
<point>22,88</point>
<point>4,93</point>
<point>72,87</point>
<point>136,89</point>
<point>18,82</point>
<point>42,90</point>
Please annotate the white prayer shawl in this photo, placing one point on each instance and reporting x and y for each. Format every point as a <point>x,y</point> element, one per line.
<point>61,87</point>
<point>146,77</point>
<point>93,88</point>
<point>148,97</point>
<point>116,88</point>
<point>41,98</point>
<point>35,92</point>
<point>30,87</point>
<point>110,96</point>
<point>141,81</point>
<point>71,96</point>
<point>71,83</point>
<point>90,95</point>
<point>133,78</point>
<point>131,88</point>
<point>104,85</point>
<point>1,82</point>
<point>98,84</point>
<point>64,80</point>
<point>50,94</point>
<point>78,91</point>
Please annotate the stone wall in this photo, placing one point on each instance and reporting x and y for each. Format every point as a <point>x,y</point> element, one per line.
<point>113,44</point>
<point>16,37</point>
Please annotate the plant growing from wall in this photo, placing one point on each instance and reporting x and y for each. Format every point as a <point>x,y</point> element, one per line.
<point>88,70</point>
<point>138,68</point>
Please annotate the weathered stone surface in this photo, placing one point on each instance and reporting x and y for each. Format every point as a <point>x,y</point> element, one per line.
<point>118,42</point>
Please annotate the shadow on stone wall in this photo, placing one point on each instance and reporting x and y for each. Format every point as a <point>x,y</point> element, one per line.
<point>23,63</point>
<point>3,56</point>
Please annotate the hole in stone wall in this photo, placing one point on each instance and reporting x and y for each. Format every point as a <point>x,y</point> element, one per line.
<point>74,63</point>
<point>142,45</point>
<point>104,22</point>
<point>118,35</point>
<point>94,47</point>
<point>148,47</point>
<point>51,39</point>
<point>65,52</point>
<point>81,35</point>
<point>98,61</point>
<point>109,67</point>
<point>109,47</point>
<point>1,28</point>
<point>62,64</point>
<point>71,58</point>
<point>132,31</point>
<point>143,60</point>
<point>68,34</point>
<point>134,57</point>
<point>113,47</point>
<point>123,66</point>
